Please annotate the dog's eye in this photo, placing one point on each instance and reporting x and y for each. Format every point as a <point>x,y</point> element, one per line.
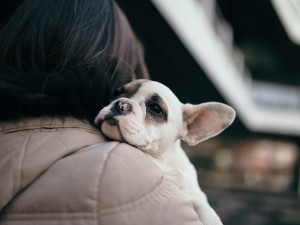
<point>155,108</point>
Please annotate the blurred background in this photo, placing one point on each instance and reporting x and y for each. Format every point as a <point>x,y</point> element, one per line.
<point>246,54</point>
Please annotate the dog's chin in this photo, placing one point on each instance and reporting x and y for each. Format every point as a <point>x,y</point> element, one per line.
<point>111,131</point>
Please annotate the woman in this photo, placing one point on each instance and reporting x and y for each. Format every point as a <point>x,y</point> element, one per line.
<point>60,62</point>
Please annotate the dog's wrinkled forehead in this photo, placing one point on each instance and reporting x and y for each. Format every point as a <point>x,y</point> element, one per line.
<point>146,88</point>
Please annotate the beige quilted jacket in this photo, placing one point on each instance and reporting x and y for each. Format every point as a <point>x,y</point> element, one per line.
<point>62,171</point>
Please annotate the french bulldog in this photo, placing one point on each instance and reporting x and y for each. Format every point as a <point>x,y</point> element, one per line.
<point>149,116</point>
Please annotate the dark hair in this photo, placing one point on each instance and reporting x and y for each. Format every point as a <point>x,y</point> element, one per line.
<point>65,57</point>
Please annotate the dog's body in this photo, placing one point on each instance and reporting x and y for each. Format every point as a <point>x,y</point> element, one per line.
<point>149,116</point>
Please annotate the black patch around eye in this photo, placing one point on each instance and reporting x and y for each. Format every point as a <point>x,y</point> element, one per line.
<point>156,109</point>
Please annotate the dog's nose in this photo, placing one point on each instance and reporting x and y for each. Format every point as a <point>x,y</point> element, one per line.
<point>121,107</point>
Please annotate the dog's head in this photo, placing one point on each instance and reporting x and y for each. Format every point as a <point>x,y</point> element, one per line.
<point>149,116</point>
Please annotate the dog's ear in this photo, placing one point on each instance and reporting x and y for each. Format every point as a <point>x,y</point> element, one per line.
<point>205,121</point>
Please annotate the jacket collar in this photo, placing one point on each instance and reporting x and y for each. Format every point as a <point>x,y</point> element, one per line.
<point>31,124</point>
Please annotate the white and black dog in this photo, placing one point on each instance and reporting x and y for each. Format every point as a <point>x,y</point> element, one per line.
<point>149,116</point>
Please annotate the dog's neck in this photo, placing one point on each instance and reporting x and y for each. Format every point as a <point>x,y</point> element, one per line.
<point>176,165</point>
<point>172,155</point>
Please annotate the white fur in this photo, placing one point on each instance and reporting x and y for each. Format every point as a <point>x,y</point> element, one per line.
<point>192,123</point>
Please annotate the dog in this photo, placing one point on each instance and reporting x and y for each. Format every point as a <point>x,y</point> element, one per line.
<point>149,116</point>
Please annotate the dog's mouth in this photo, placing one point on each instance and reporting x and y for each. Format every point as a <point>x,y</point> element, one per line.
<point>109,127</point>
<point>111,121</point>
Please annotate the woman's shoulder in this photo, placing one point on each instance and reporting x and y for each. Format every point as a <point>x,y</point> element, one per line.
<point>127,174</point>
<point>133,190</point>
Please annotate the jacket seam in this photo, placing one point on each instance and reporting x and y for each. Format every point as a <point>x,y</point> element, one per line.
<point>47,216</point>
<point>21,162</point>
<point>132,204</point>
<point>99,181</point>
<point>48,128</point>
